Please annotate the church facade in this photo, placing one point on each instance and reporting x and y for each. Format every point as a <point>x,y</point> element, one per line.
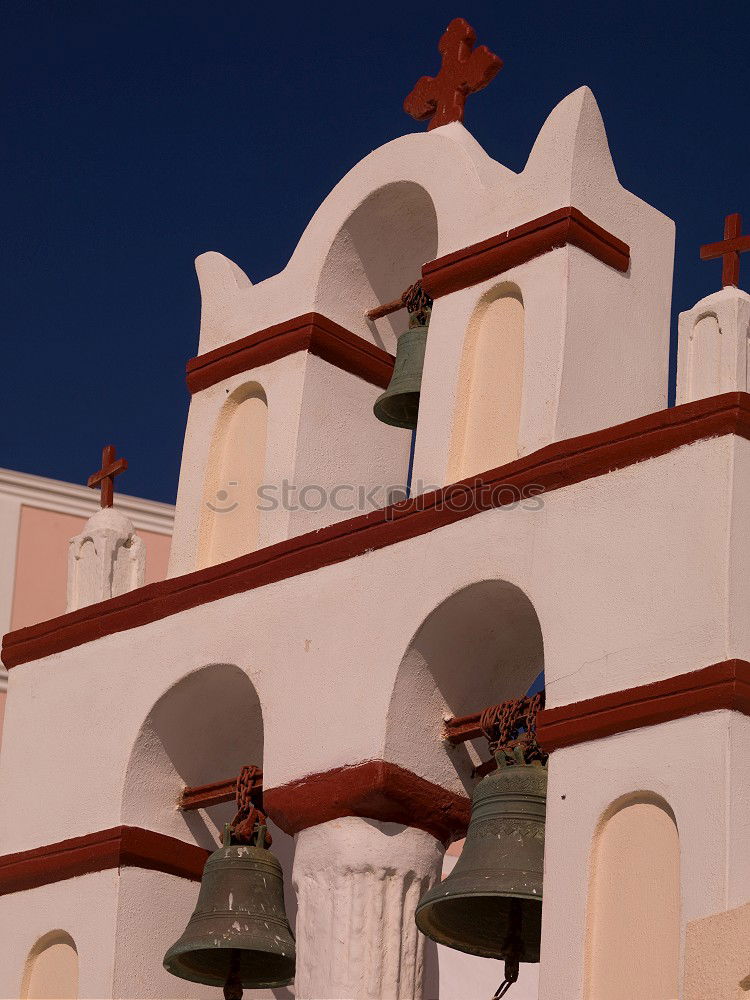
<point>321,626</point>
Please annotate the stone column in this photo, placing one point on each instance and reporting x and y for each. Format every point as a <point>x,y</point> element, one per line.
<point>358,882</point>
<point>105,560</point>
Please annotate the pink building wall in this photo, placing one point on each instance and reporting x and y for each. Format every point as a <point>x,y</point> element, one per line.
<point>42,563</point>
<point>41,567</point>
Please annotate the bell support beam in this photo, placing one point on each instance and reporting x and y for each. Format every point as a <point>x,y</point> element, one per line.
<point>462,728</point>
<point>217,792</point>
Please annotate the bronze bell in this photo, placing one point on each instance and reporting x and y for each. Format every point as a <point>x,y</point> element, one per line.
<point>239,935</point>
<point>491,903</point>
<point>399,404</point>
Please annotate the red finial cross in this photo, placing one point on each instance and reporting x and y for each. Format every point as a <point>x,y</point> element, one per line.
<point>105,477</point>
<point>464,71</point>
<point>729,249</point>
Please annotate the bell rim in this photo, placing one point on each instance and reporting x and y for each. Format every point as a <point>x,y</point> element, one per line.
<point>477,950</point>
<point>192,977</point>
<point>175,953</point>
<point>384,417</point>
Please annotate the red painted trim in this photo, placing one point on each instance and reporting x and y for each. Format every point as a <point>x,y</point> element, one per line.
<point>558,465</point>
<point>566,226</point>
<point>312,332</point>
<point>375,789</point>
<point>119,847</point>
<point>722,685</point>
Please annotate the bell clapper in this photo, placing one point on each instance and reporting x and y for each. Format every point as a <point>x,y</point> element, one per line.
<point>233,984</point>
<point>512,949</point>
<point>511,976</point>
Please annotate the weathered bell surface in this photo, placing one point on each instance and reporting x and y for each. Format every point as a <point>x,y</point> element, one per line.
<point>239,929</point>
<point>491,903</point>
<point>399,404</point>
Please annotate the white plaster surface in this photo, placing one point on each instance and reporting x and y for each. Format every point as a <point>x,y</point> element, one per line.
<point>316,439</point>
<point>84,907</point>
<point>651,598</point>
<point>624,590</point>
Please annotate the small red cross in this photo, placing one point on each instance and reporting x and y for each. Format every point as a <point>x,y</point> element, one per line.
<point>729,249</point>
<point>105,477</point>
<point>464,70</point>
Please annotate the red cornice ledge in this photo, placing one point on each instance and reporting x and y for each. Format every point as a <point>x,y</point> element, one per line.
<point>118,847</point>
<point>375,789</point>
<point>566,226</point>
<point>312,332</point>
<point>551,468</point>
<point>722,685</point>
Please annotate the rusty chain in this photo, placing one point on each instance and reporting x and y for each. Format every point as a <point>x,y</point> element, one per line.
<point>249,818</point>
<point>418,304</point>
<point>510,729</point>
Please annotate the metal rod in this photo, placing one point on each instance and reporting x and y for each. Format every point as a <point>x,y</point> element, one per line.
<point>385,310</point>
<point>213,794</point>
<point>462,728</point>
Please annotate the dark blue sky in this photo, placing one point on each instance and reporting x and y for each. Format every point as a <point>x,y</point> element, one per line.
<point>137,135</point>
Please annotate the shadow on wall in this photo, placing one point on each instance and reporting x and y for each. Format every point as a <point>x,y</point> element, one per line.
<point>480,646</point>
<point>377,253</point>
<point>203,729</point>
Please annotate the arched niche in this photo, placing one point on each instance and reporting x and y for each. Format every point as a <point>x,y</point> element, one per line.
<point>51,969</point>
<point>490,386</point>
<point>377,253</point>
<point>633,934</point>
<point>482,645</point>
<point>236,465</point>
<point>704,364</point>
<point>203,729</point>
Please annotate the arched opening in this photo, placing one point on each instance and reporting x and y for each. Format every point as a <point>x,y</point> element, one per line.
<point>481,646</point>
<point>633,941</point>
<point>231,515</point>
<point>704,378</point>
<point>51,968</point>
<point>377,253</point>
<point>490,386</point>
<point>203,729</point>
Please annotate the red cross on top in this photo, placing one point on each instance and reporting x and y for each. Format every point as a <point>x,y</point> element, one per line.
<point>105,477</point>
<point>729,249</point>
<point>464,71</point>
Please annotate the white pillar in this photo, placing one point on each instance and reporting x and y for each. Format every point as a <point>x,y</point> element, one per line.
<point>358,882</point>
